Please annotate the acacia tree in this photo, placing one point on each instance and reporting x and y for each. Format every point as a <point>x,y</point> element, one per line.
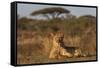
<point>51,13</point>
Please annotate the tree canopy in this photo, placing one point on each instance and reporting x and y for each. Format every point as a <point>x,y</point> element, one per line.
<point>53,12</point>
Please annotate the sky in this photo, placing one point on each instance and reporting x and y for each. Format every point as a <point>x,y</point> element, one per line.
<point>24,10</point>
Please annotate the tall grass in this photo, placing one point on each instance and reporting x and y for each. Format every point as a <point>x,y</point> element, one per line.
<point>34,40</point>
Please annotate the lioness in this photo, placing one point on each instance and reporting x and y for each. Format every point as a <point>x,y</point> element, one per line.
<point>57,49</point>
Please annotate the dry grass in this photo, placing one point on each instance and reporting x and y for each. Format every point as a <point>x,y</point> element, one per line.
<point>35,42</point>
<point>34,48</point>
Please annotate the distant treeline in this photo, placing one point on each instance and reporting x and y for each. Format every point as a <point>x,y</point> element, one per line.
<point>74,25</point>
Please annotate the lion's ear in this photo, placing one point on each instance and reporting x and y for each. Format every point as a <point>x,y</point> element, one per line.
<point>52,34</point>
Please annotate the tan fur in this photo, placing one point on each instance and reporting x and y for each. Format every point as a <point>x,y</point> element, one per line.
<point>64,53</point>
<point>77,53</point>
<point>56,50</point>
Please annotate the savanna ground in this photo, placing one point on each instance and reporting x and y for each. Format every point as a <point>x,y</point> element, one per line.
<point>34,41</point>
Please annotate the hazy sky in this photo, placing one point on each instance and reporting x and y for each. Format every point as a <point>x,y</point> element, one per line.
<point>24,10</point>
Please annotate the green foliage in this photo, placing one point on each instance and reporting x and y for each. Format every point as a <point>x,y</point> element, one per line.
<point>54,12</point>
<point>72,26</point>
<point>51,10</point>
